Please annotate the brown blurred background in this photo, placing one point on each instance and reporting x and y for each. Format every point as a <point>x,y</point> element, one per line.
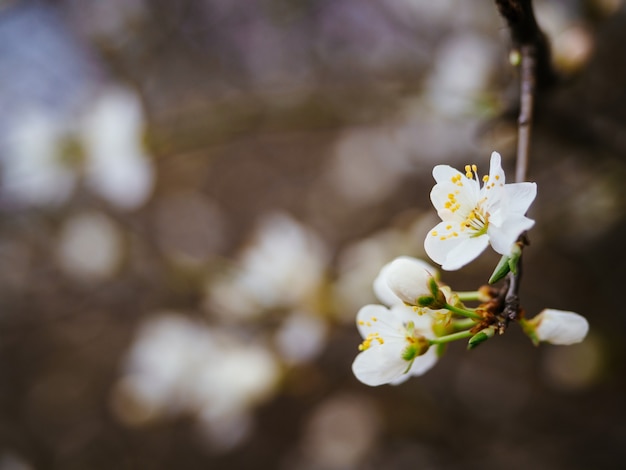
<point>195,197</point>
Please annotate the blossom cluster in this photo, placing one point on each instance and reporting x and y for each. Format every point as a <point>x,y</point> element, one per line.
<point>419,314</point>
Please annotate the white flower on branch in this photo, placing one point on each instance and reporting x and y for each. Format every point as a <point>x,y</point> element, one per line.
<point>474,217</point>
<point>395,344</point>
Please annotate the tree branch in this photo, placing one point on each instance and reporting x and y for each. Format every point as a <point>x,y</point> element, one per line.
<point>525,31</point>
<point>536,73</point>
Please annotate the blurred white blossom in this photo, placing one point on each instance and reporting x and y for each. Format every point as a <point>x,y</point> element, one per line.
<point>177,365</point>
<point>368,164</point>
<point>117,167</point>
<point>301,337</point>
<point>90,246</point>
<point>282,267</point>
<point>461,72</point>
<point>40,169</point>
<point>33,171</point>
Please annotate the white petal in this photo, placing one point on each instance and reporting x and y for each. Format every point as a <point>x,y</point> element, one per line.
<point>445,173</point>
<point>465,252</point>
<point>366,325</point>
<point>408,279</point>
<point>383,291</point>
<point>560,327</point>
<point>466,193</point>
<point>519,196</point>
<point>501,238</point>
<point>454,252</point>
<point>379,365</point>
<point>496,173</point>
<point>436,248</point>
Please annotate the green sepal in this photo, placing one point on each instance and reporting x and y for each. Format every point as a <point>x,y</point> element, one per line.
<point>481,337</point>
<point>433,286</point>
<point>513,258</point>
<point>425,301</point>
<point>502,269</point>
<point>529,329</point>
<point>410,352</point>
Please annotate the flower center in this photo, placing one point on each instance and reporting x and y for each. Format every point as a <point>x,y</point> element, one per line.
<point>416,344</point>
<point>477,221</point>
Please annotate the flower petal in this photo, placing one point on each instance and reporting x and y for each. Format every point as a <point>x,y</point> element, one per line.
<point>465,252</point>
<point>366,324</point>
<point>453,252</point>
<point>503,237</point>
<point>519,196</point>
<point>383,291</point>
<point>496,173</point>
<point>378,366</point>
<point>459,191</point>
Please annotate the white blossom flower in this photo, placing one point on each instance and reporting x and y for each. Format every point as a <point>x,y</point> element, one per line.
<point>40,169</point>
<point>180,366</point>
<point>474,217</point>
<point>395,345</point>
<point>282,268</point>
<point>559,327</point>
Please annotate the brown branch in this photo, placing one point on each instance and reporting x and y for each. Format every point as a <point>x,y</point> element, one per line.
<point>536,73</point>
<point>527,98</point>
<point>525,31</point>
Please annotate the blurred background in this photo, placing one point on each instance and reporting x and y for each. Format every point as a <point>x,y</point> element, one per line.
<point>195,197</point>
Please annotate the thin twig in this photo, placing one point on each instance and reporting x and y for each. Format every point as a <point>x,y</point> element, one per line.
<point>535,71</point>
<point>525,31</point>
<point>527,97</point>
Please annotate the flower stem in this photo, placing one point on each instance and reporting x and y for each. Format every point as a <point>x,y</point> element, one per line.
<point>451,337</point>
<point>469,296</point>
<point>463,324</point>
<point>463,312</point>
<point>527,93</point>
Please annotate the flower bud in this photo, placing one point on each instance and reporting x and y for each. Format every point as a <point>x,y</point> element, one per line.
<point>410,280</point>
<point>558,327</point>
